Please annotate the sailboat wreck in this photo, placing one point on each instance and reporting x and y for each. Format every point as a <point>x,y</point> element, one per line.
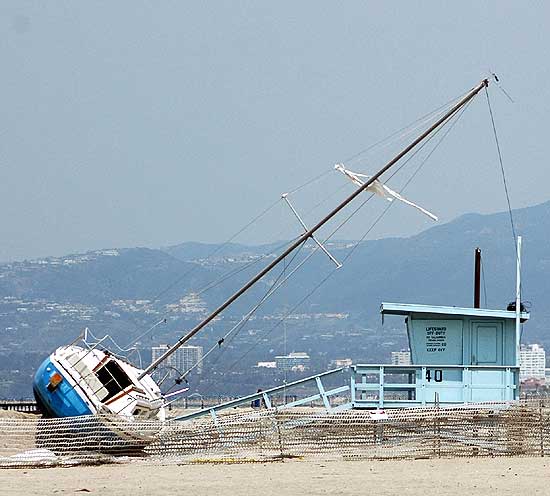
<point>460,356</point>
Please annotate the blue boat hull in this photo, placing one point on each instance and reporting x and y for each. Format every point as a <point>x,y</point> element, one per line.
<point>64,400</point>
<point>84,433</point>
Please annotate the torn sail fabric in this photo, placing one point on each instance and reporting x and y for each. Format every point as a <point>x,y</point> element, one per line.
<point>380,189</point>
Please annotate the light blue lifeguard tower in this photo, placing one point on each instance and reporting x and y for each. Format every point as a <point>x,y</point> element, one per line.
<point>458,355</point>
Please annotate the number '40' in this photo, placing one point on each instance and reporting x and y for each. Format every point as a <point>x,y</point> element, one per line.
<point>437,375</point>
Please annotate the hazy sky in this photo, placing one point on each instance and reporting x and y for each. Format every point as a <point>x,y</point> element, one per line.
<point>152,123</point>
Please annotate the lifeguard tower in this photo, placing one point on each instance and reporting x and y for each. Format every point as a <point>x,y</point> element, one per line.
<point>458,355</point>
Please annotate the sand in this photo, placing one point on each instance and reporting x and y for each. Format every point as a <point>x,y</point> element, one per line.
<point>11,414</point>
<point>473,476</point>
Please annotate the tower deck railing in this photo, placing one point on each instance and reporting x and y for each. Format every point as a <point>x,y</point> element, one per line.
<point>395,386</point>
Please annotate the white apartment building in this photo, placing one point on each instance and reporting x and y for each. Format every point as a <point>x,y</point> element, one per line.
<point>182,359</point>
<point>296,361</point>
<point>532,362</point>
<point>401,357</point>
<point>340,362</point>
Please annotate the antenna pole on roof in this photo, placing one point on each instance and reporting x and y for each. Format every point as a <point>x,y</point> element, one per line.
<point>518,300</point>
<point>310,232</point>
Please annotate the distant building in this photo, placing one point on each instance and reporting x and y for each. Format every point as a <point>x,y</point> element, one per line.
<point>182,359</point>
<point>267,365</point>
<point>400,357</point>
<point>532,362</point>
<point>340,362</point>
<point>296,361</point>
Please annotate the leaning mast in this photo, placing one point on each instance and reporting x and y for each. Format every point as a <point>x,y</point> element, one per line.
<point>309,233</point>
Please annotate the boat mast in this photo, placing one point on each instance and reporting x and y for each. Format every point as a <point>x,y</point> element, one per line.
<point>308,234</point>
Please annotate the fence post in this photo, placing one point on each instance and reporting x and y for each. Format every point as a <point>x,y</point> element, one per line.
<point>541,421</point>
<point>273,414</point>
<point>437,425</point>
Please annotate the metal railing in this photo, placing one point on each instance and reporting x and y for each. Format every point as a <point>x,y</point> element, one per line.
<point>26,406</point>
<point>271,398</point>
<point>395,386</point>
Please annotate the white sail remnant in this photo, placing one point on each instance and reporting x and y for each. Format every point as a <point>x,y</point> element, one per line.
<point>380,189</point>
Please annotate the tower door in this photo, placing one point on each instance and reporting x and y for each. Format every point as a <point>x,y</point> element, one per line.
<point>487,343</point>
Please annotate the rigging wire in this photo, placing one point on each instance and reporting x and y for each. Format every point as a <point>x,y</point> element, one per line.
<point>217,249</point>
<point>307,296</point>
<point>400,134</point>
<point>347,185</point>
<point>238,270</point>
<point>377,220</point>
<point>497,82</point>
<point>147,331</point>
<point>110,338</point>
<point>451,124</point>
<point>427,157</point>
<point>239,326</point>
<point>194,267</point>
<point>502,170</point>
<point>215,283</point>
<point>505,182</point>
<point>266,210</point>
<point>274,287</point>
<point>296,189</point>
<point>483,279</point>
<point>417,170</point>
<point>396,136</point>
<point>440,109</point>
<point>434,114</point>
<point>311,181</point>
<point>410,129</point>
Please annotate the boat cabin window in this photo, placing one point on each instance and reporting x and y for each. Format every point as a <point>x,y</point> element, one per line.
<point>113,378</point>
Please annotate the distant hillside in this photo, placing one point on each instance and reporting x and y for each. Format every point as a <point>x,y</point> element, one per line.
<point>191,250</point>
<point>434,266</point>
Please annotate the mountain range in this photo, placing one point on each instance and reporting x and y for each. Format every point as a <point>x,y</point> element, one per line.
<point>435,266</point>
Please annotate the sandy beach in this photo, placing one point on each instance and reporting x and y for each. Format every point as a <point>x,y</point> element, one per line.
<point>473,476</point>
